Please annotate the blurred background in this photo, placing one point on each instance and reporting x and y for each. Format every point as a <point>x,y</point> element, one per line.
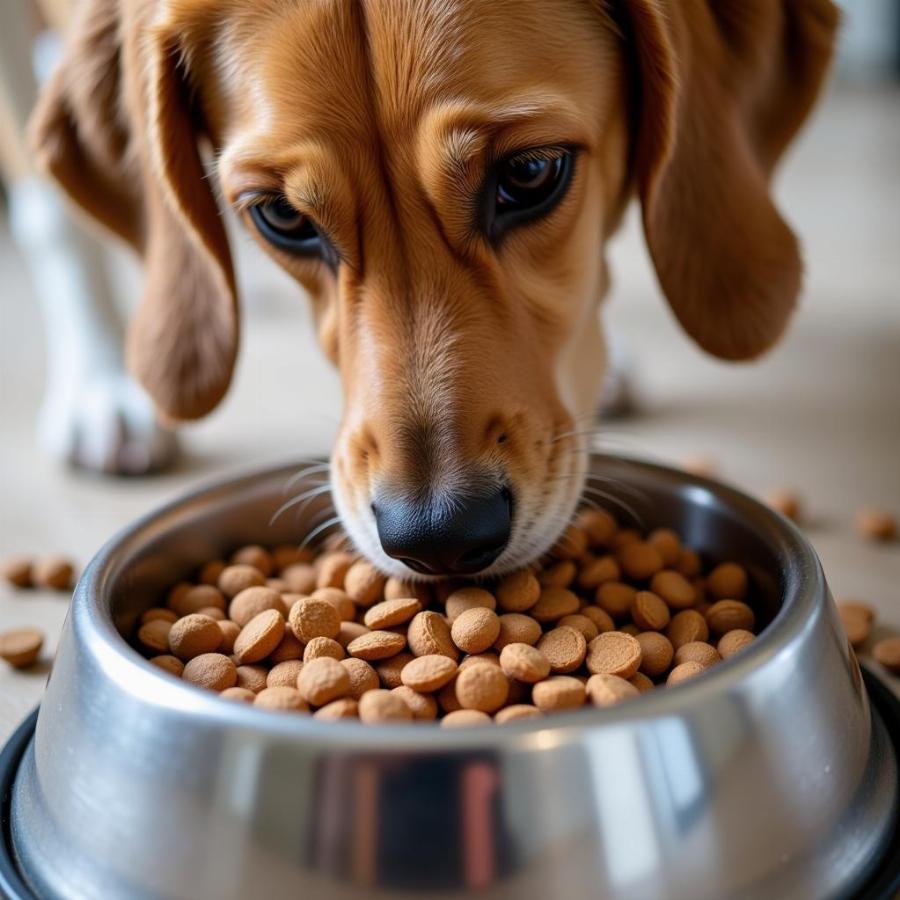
<point>820,414</point>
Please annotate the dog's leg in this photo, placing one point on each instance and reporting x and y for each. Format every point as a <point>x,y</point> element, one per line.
<point>93,414</point>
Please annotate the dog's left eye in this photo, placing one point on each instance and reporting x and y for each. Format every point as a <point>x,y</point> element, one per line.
<point>527,186</point>
<point>282,225</point>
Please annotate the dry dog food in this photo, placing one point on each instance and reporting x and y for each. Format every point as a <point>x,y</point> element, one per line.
<point>21,646</point>
<point>54,572</point>
<point>611,615</point>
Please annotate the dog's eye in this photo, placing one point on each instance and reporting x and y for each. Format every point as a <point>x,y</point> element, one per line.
<point>282,225</point>
<point>527,186</point>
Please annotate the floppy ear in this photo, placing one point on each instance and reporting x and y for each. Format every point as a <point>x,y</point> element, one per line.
<point>115,126</point>
<point>723,87</point>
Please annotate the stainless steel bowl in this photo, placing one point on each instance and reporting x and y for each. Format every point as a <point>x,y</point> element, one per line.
<point>767,777</point>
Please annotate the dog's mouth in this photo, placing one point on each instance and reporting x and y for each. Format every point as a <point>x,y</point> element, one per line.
<point>499,525</point>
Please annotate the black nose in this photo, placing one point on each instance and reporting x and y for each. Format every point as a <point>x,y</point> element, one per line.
<point>453,536</point>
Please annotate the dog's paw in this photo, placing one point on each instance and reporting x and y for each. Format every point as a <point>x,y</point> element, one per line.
<point>106,424</point>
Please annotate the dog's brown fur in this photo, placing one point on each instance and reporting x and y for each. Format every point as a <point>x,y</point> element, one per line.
<point>377,118</point>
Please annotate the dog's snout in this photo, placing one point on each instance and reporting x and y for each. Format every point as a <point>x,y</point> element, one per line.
<point>451,536</point>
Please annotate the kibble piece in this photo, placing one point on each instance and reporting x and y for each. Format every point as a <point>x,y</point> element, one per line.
<point>196,598</point>
<point>311,618</point>
<point>345,708</point>
<point>641,682</point>
<point>389,671</point>
<point>364,583</point>
<point>300,578</point>
<point>383,706</point>
<point>726,615</point>
<point>733,641</point>
<point>285,555</point>
<point>857,625</point>
<point>288,648</point>
<point>429,633</point>
<point>727,581</point>
<point>674,588</point>
<point>517,628</point>
<point>468,598</point>
<point>389,613</point>
<point>253,678</point>
<point>598,524</point>
<point>238,693</point>
<point>698,652</point>
<point>17,570</point>
<point>398,589</point>
<point>154,635</point>
<point>686,626</point>
<point>609,690</point>
<point>698,464</point>
<point>168,663</point>
<point>285,699</point>
<point>600,617</point>
<point>158,613</point>
<point>475,629</point>
<point>571,544</point>
<point>350,631</point>
<point>516,713</point>
<point>595,572</point>
<point>447,699</point>
<point>284,674</point>
<point>260,636</point>
<point>256,556</point>
<point>333,568</point>
<point>428,673</point>
<point>423,706</point>
<point>857,608</point>
<point>346,608</point>
<point>689,563</point>
<point>210,670</point>
<point>616,598</point>
<point>482,687</point>
<point>322,680</point>
<point>230,630</point>
<point>235,579</point>
<point>21,646</point>
<point>785,501</point>
<point>887,652</point>
<point>524,663</point>
<point>564,648</point>
<point>640,560</point>
<point>176,593</point>
<point>656,653</point>
<point>489,658</point>
<point>614,653</point>
<point>376,645</point>
<point>209,572</point>
<point>213,612</point>
<point>876,524</point>
<point>194,634</point>
<point>465,718</point>
<point>580,623</point>
<point>668,543</point>
<point>553,604</point>
<point>362,676</point>
<point>323,646</point>
<point>649,611</point>
<point>557,693</point>
<point>252,601</point>
<point>561,574</point>
<point>518,592</point>
<point>684,672</point>
<point>53,572</point>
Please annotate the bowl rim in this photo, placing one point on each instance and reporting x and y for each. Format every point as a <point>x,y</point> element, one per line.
<point>805,590</point>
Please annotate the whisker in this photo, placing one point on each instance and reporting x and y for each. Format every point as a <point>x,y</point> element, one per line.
<point>306,495</point>
<point>302,473</point>
<point>596,492</point>
<point>328,523</point>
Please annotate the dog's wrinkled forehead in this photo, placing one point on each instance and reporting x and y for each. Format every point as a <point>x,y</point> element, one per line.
<point>358,71</point>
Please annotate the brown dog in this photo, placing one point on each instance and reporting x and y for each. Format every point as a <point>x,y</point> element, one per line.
<point>441,177</point>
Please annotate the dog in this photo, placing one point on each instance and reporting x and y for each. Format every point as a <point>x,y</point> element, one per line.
<point>441,176</point>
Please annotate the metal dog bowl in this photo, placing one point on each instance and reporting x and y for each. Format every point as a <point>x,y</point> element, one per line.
<point>771,776</point>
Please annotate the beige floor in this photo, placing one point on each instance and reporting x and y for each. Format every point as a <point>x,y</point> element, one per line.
<point>821,413</point>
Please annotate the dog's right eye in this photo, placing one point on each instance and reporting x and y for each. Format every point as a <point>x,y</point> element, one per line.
<point>286,228</point>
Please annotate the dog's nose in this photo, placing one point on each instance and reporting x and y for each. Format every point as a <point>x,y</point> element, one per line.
<point>454,536</point>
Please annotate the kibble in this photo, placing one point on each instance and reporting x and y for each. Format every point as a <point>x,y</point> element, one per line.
<point>887,652</point>
<point>876,524</point>
<point>613,614</point>
<point>54,572</point>
<point>21,646</point>
<point>17,570</point>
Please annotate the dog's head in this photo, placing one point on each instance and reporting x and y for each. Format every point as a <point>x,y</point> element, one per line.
<point>441,178</point>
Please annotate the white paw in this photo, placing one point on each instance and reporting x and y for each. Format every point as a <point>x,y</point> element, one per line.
<point>104,423</point>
